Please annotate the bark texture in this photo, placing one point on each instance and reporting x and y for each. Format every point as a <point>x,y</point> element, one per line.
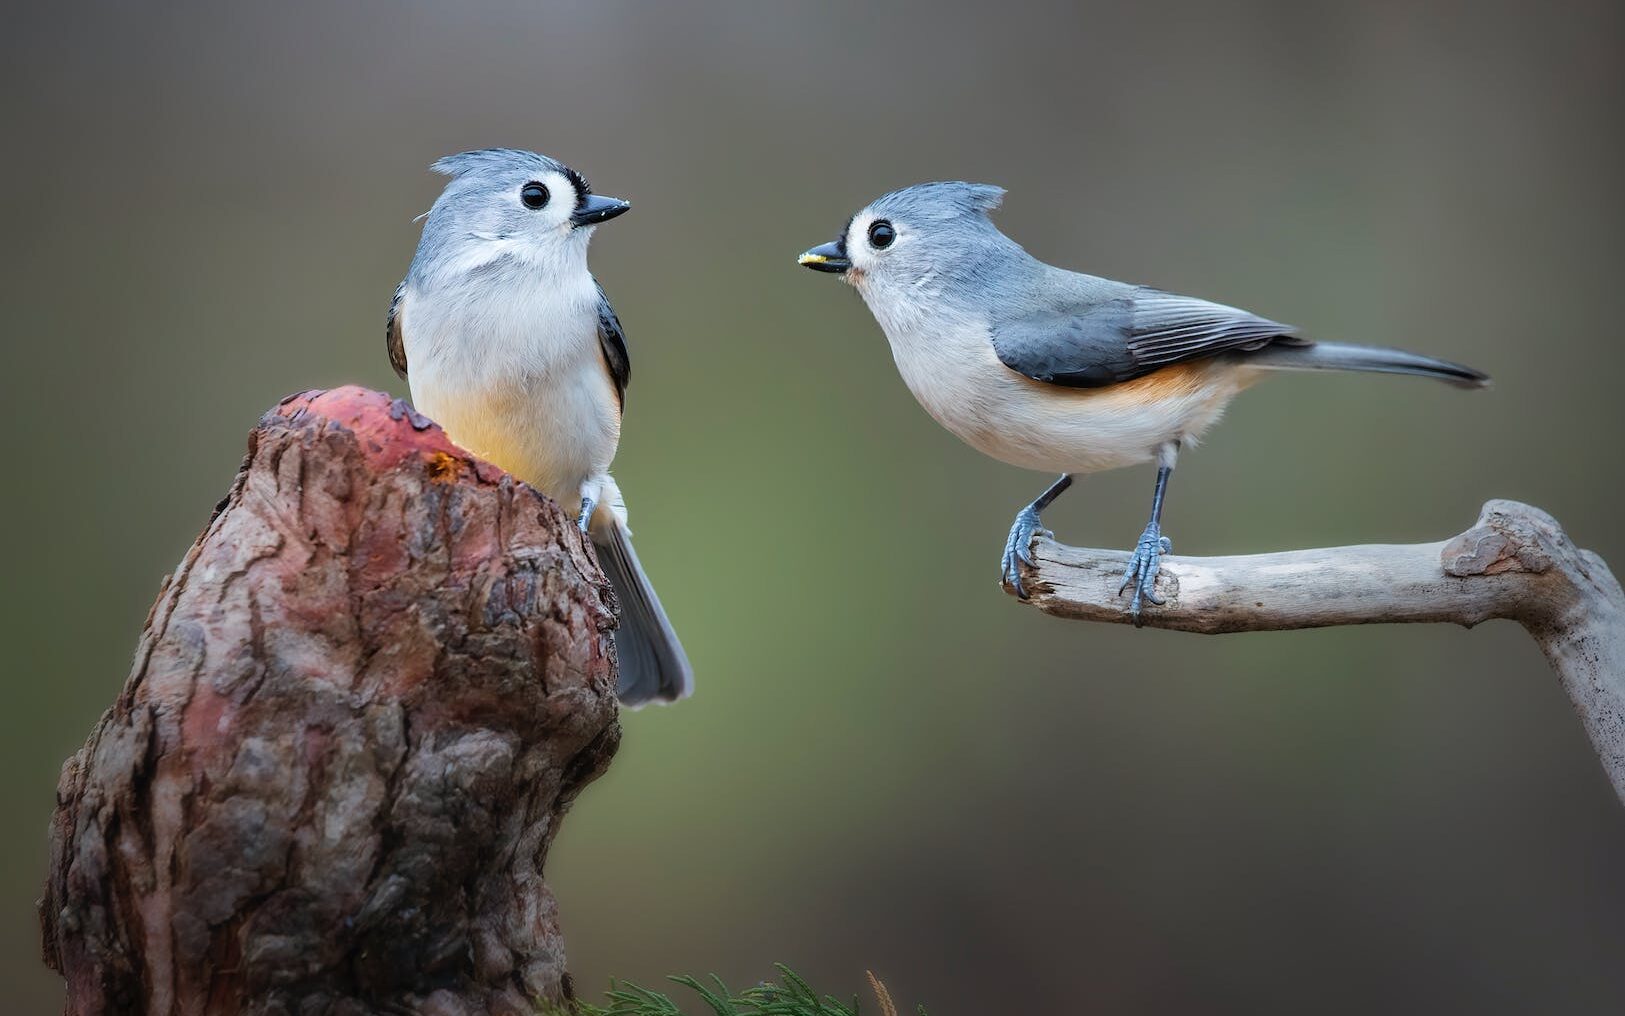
<point>1515,563</point>
<point>357,713</point>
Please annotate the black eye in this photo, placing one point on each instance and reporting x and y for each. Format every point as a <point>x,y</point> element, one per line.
<point>881,234</point>
<point>533,194</point>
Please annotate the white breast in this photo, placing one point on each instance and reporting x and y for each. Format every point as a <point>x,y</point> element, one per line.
<point>952,369</point>
<point>514,373</point>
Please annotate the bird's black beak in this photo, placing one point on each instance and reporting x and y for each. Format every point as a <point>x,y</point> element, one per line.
<point>826,257</point>
<point>596,208</point>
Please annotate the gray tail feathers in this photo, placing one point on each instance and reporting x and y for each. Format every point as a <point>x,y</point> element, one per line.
<point>653,666</point>
<point>1339,356</point>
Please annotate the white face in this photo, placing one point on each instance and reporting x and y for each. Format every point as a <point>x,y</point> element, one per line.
<point>913,252</point>
<point>518,212</point>
<point>874,245</point>
<point>537,210</point>
<point>545,201</point>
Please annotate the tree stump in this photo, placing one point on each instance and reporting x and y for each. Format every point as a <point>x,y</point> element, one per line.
<point>357,713</point>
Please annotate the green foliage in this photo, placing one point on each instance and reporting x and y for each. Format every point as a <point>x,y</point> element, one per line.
<point>794,997</point>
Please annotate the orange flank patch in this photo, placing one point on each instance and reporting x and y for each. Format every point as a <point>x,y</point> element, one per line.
<point>1181,380</point>
<point>1178,381</point>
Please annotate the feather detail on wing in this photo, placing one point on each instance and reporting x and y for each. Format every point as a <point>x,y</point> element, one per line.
<point>1090,344</point>
<point>392,334</point>
<point>612,340</point>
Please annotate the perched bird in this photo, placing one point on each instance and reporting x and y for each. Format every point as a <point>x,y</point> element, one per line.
<point>509,343</point>
<point>1049,369</point>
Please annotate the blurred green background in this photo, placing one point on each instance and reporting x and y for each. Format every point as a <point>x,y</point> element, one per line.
<point>889,763</point>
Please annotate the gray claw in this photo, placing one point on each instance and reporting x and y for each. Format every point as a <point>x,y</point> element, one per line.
<point>1018,549</point>
<point>1143,566</point>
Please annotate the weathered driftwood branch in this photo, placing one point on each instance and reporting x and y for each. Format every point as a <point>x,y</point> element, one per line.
<point>358,710</point>
<point>1516,563</point>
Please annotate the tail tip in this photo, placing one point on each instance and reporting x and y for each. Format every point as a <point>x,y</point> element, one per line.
<point>650,675</point>
<point>637,696</point>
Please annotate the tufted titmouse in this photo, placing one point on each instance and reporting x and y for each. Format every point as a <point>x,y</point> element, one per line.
<point>514,350</point>
<point>1049,369</point>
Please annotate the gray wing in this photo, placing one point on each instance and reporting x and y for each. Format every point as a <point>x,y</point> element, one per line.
<point>1090,343</point>
<point>612,340</point>
<point>392,334</point>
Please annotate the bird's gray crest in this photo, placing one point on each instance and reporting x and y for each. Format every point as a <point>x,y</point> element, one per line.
<point>491,158</point>
<point>506,160</point>
<point>940,200</point>
<point>481,203</point>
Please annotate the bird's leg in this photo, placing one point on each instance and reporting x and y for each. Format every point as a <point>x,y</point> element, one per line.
<point>588,505</point>
<point>1146,560</point>
<point>1018,548</point>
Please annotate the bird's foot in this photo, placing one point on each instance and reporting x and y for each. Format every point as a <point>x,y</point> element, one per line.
<point>1018,549</point>
<point>1143,566</point>
<point>588,506</point>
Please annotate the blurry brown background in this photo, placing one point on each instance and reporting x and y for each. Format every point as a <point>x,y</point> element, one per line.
<point>888,763</point>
